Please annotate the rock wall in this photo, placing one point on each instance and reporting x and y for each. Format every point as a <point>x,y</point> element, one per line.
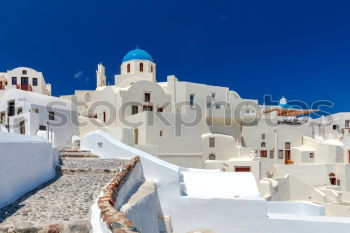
<point>114,220</point>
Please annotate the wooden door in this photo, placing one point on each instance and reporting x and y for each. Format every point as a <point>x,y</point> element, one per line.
<point>22,128</point>
<point>24,83</point>
<point>136,136</point>
<point>287,156</point>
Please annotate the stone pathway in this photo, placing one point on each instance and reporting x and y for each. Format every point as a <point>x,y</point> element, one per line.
<point>63,202</point>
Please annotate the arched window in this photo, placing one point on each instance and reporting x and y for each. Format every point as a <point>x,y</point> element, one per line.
<point>151,69</point>
<point>128,68</point>
<point>263,144</point>
<point>141,67</point>
<point>212,157</point>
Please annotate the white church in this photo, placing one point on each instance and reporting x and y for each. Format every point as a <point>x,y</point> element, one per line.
<point>291,156</point>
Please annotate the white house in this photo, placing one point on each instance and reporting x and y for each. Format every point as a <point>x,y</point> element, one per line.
<point>29,113</point>
<point>24,78</point>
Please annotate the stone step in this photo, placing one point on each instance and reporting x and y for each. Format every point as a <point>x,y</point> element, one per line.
<point>72,171</point>
<point>73,150</point>
<point>78,155</point>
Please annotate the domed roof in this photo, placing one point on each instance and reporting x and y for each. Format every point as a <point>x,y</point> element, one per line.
<point>137,54</point>
<point>284,106</point>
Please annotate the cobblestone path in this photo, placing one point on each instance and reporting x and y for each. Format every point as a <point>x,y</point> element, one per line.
<point>63,202</point>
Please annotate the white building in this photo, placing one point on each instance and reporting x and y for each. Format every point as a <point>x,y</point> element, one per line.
<point>201,126</point>
<point>29,113</point>
<point>290,157</point>
<point>24,78</point>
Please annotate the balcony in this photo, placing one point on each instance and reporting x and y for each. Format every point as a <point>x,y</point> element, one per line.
<point>24,87</point>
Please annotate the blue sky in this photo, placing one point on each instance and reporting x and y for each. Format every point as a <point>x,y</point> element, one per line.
<point>299,49</point>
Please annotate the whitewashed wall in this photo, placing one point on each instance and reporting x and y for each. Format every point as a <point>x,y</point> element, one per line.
<point>223,215</point>
<point>25,163</point>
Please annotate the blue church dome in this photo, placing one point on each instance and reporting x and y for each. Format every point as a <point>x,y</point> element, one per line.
<point>137,54</point>
<point>285,106</point>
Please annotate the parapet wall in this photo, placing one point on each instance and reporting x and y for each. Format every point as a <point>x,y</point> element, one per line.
<point>115,193</point>
<point>26,162</point>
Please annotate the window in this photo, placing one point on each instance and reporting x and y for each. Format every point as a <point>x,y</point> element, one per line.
<point>147,97</point>
<point>287,145</point>
<point>347,123</point>
<point>151,69</point>
<point>335,127</point>
<point>141,67</point>
<point>212,157</point>
<point>263,136</point>
<point>211,142</point>
<point>332,178</point>
<point>161,133</point>
<point>42,127</point>
<point>263,153</point>
<point>128,68</point>
<point>51,116</point>
<point>147,108</point>
<point>19,110</point>
<point>312,155</point>
<point>208,104</point>
<point>263,144</point>
<point>14,80</point>
<point>160,110</point>
<point>280,154</point>
<point>191,100</point>
<point>134,109</point>
<point>272,153</point>
<point>104,117</point>
<point>35,81</point>
<point>217,106</point>
<point>24,72</point>
<point>213,95</point>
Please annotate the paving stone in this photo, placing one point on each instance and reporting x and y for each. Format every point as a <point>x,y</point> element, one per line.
<point>63,201</point>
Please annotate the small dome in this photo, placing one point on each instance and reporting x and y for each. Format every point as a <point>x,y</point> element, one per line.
<point>284,106</point>
<point>137,54</point>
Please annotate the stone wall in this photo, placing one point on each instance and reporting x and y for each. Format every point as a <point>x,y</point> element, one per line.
<point>114,219</point>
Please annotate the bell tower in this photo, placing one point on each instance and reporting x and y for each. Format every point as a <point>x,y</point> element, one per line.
<point>100,76</point>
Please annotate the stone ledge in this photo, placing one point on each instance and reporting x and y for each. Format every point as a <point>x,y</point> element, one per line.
<point>116,220</point>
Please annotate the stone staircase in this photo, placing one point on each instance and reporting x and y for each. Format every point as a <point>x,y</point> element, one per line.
<point>76,153</point>
<point>62,205</point>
